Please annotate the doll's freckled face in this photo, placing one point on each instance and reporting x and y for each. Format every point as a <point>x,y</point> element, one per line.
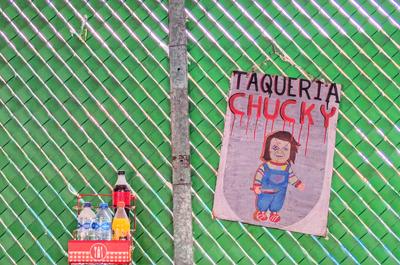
<point>279,150</point>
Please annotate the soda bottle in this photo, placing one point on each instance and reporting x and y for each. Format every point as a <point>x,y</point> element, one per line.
<point>104,219</point>
<point>87,223</point>
<point>122,192</point>
<point>120,223</point>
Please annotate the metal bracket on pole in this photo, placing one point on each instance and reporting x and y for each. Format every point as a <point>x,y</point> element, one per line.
<point>182,206</point>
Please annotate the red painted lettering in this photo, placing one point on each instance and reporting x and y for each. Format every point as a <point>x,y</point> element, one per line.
<point>326,115</point>
<point>304,111</point>
<point>284,116</point>
<point>250,106</point>
<point>232,107</point>
<point>276,110</point>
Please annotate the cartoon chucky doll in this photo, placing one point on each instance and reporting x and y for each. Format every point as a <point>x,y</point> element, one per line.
<point>274,174</point>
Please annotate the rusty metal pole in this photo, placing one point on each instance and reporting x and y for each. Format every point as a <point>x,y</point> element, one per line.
<point>182,206</point>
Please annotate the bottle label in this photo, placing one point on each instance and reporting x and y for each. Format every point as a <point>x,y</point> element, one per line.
<point>120,235</point>
<point>95,225</point>
<point>87,225</point>
<point>105,226</point>
<point>124,196</point>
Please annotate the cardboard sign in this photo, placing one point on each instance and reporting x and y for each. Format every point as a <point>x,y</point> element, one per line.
<point>277,152</point>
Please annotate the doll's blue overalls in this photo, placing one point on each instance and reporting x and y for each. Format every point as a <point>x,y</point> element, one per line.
<point>277,180</point>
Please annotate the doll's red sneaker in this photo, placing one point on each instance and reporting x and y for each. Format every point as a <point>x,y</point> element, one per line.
<point>274,217</point>
<point>260,216</point>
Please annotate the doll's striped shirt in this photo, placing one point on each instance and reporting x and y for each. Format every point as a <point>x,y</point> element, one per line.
<point>293,179</point>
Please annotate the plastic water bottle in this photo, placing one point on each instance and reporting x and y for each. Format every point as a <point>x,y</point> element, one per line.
<point>104,219</point>
<point>86,223</point>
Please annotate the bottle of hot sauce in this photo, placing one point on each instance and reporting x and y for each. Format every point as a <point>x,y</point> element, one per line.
<point>122,192</point>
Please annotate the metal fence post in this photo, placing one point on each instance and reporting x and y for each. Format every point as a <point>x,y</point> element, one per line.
<point>182,208</point>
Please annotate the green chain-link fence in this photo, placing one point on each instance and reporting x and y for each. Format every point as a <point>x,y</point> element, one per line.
<point>84,92</point>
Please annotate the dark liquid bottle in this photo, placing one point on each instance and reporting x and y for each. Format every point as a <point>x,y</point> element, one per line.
<point>122,192</point>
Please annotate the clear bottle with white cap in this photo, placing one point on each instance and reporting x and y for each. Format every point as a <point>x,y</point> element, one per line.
<point>104,219</point>
<point>86,223</point>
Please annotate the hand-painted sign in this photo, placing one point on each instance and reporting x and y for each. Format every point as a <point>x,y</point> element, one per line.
<point>277,152</point>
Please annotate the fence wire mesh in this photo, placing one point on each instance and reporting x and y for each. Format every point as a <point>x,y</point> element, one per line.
<point>85,91</point>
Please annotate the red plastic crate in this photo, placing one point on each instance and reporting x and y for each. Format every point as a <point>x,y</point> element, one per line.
<point>99,251</point>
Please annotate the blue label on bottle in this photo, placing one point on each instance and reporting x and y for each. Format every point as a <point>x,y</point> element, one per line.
<point>79,225</point>
<point>106,226</point>
<point>87,225</point>
<point>95,225</point>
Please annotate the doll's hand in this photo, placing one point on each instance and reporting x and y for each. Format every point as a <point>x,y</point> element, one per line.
<point>257,189</point>
<point>300,187</point>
